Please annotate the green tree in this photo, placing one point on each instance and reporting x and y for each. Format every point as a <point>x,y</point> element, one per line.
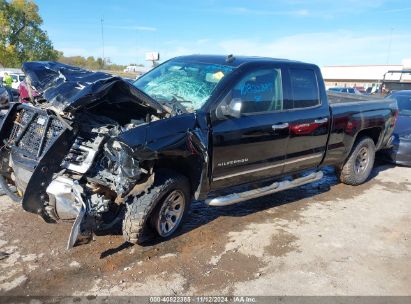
<point>21,37</point>
<point>90,62</point>
<point>100,63</point>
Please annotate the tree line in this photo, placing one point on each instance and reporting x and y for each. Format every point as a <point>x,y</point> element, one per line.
<point>22,39</point>
<point>90,62</point>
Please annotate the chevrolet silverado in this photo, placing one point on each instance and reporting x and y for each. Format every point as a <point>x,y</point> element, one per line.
<point>97,150</point>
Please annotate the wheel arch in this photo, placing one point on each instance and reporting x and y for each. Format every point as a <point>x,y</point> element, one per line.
<point>190,167</point>
<point>374,133</point>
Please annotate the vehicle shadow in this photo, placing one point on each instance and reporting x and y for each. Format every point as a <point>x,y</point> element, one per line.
<point>202,214</point>
<point>112,251</point>
<point>380,166</point>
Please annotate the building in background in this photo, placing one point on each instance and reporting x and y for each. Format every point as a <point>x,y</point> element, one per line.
<point>356,75</point>
<point>362,75</point>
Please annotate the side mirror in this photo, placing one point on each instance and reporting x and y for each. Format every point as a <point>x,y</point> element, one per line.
<point>233,109</point>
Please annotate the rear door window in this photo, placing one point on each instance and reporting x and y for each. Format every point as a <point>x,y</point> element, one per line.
<point>304,88</point>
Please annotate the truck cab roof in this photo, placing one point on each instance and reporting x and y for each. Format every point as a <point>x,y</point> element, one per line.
<point>234,61</point>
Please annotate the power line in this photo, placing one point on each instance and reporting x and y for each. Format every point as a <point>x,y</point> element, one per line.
<point>102,39</point>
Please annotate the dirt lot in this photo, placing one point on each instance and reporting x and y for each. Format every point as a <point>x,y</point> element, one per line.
<point>321,239</point>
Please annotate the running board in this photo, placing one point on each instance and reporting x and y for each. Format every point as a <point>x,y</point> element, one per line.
<point>273,188</point>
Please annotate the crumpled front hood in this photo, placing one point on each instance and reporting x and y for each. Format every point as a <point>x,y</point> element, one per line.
<point>68,88</point>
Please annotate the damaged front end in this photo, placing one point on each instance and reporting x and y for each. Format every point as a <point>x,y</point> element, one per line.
<point>60,153</point>
<point>90,142</point>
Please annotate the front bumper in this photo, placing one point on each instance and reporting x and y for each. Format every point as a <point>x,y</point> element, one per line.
<point>63,199</point>
<point>35,144</point>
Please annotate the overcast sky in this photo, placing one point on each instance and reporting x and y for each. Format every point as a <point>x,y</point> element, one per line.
<point>323,32</point>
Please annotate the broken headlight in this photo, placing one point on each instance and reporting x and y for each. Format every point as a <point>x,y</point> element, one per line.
<point>128,165</point>
<point>121,164</point>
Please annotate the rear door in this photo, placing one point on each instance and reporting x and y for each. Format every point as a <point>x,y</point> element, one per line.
<point>309,119</point>
<point>252,147</point>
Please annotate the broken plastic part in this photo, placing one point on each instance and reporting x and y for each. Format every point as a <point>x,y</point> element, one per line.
<point>75,229</point>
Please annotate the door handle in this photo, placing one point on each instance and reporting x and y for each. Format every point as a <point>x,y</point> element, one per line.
<point>280,126</point>
<point>321,120</point>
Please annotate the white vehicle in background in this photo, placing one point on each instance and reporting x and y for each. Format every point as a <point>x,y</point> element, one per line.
<point>140,70</point>
<point>17,79</point>
<point>17,76</point>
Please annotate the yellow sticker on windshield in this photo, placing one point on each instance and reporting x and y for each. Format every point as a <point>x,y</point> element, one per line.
<point>218,75</point>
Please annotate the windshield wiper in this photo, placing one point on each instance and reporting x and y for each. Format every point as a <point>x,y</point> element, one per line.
<point>177,106</point>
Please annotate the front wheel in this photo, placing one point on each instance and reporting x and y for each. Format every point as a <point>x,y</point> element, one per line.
<point>163,208</point>
<point>169,213</point>
<point>360,162</point>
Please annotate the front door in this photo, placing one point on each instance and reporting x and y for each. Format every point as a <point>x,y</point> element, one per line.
<point>251,147</point>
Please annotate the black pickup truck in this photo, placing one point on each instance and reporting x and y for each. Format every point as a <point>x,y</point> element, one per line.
<point>99,150</point>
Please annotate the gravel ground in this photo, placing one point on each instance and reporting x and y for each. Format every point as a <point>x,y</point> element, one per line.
<point>320,239</point>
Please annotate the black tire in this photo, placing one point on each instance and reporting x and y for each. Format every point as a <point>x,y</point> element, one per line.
<point>143,208</point>
<point>352,173</point>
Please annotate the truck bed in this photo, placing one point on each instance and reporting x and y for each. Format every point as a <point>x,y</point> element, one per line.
<point>349,115</point>
<point>335,97</point>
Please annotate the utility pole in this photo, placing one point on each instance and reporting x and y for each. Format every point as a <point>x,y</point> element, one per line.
<point>102,39</point>
<point>389,46</point>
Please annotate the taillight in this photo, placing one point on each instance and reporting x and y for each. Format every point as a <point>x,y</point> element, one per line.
<point>394,120</point>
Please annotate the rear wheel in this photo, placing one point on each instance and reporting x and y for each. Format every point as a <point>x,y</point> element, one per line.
<point>360,162</point>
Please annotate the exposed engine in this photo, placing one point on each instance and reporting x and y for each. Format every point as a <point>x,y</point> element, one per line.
<point>98,166</point>
<point>93,172</point>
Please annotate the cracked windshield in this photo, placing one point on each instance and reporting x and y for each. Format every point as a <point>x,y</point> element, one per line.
<point>182,85</point>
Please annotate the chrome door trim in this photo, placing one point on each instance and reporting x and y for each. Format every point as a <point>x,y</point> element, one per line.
<point>317,155</point>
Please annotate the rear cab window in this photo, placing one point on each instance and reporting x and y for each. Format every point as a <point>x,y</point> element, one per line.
<point>304,88</point>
